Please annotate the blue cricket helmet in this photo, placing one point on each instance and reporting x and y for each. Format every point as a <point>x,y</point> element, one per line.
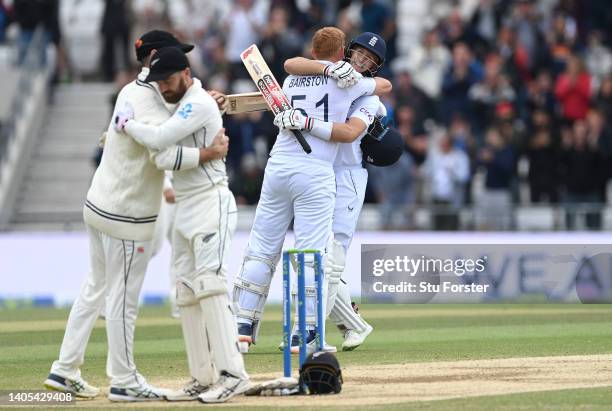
<point>372,42</point>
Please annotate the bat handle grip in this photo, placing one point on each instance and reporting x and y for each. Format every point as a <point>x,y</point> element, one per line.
<point>300,138</point>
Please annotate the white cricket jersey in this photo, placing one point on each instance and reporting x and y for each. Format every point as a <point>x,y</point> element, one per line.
<point>350,154</point>
<point>195,123</point>
<point>123,199</point>
<point>321,98</point>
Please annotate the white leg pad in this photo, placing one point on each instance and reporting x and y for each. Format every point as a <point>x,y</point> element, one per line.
<point>196,340</point>
<point>251,289</point>
<point>311,310</point>
<point>342,312</point>
<point>222,334</point>
<point>335,263</point>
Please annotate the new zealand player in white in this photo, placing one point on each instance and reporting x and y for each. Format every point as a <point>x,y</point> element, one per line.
<point>120,213</point>
<point>297,185</point>
<point>366,53</point>
<point>204,225</point>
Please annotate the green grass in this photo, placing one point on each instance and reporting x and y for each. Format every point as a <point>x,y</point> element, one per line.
<point>403,334</point>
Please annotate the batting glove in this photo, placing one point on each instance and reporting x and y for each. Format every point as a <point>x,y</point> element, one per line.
<point>343,73</point>
<point>293,119</point>
<point>123,116</point>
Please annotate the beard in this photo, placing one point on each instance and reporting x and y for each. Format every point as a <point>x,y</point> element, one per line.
<point>175,96</point>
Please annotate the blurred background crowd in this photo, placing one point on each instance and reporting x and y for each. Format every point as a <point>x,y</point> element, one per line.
<point>501,103</point>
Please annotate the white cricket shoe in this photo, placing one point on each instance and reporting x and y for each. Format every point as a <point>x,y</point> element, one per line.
<point>80,388</point>
<point>189,392</point>
<point>143,392</point>
<point>226,387</point>
<point>353,339</point>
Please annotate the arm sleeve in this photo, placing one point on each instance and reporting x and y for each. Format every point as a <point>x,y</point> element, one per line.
<point>366,112</point>
<point>176,158</point>
<point>188,118</point>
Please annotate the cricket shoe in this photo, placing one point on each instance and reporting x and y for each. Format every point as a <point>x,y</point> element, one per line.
<point>189,392</point>
<point>311,344</point>
<point>353,339</point>
<point>142,392</point>
<point>79,387</point>
<point>245,337</point>
<point>226,387</point>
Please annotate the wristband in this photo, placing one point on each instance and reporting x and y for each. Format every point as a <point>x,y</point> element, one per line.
<point>321,129</point>
<point>326,70</point>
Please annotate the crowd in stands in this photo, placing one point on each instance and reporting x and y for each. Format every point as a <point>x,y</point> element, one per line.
<point>517,91</point>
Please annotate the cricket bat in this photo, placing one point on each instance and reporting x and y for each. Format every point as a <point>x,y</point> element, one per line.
<point>246,103</point>
<point>269,87</point>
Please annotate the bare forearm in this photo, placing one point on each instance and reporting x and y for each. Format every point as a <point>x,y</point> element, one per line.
<point>346,132</point>
<point>383,86</point>
<point>300,66</point>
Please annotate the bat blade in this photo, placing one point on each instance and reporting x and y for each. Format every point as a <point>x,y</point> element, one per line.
<point>269,87</point>
<point>246,103</point>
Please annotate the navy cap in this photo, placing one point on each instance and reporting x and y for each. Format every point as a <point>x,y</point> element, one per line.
<point>155,40</point>
<point>165,62</point>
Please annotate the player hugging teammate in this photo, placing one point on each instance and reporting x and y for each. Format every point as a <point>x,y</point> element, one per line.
<point>323,191</point>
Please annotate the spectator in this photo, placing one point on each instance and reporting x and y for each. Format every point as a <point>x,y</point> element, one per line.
<point>150,15</point>
<point>30,14</point>
<point>462,74</point>
<point>447,170</point>
<point>560,39</point>
<point>524,22</point>
<point>543,159</point>
<point>376,17</point>
<point>394,191</point>
<point>427,63</point>
<point>573,90</point>
<point>461,134</point>
<point>514,57</point>
<point>412,132</point>
<point>189,29</point>
<point>455,31</point>
<point>5,20</point>
<point>116,36</point>
<point>581,164</point>
<point>408,94</point>
<point>600,136</point>
<point>280,42</point>
<point>488,93</point>
<point>494,205</point>
<point>244,26</point>
<point>487,19</point>
<point>598,58</point>
<point>540,95</point>
<point>603,101</point>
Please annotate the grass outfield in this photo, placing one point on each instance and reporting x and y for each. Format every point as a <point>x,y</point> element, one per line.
<point>30,340</point>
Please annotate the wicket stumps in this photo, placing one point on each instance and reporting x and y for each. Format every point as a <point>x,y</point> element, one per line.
<point>301,305</point>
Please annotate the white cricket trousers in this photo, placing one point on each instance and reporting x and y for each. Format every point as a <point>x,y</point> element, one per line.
<point>298,189</point>
<point>117,271</point>
<point>351,185</point>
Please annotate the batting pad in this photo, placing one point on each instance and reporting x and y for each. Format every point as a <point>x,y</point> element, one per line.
<point>342,312</point>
